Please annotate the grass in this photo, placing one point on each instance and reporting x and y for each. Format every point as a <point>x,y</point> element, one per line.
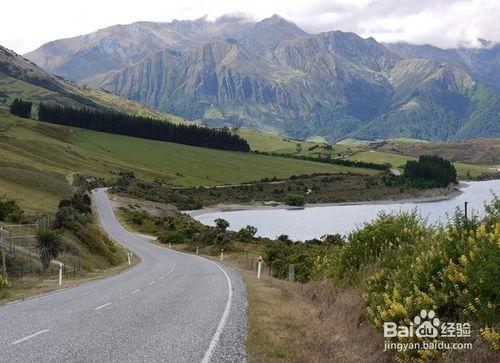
<point>261,141</point>
<point>327,320</point>
<point>476,151</point>
<point>110,100</point>
<point>28,286</point>
<point>395,160</point>
<point>464,170</point>
<point>294,322</point>
<point>15,88</point>
<point>267,142</point>
<point>290,322</point>
<point>38,159</point>
<point>338,188</point>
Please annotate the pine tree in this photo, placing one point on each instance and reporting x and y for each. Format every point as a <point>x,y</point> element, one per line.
<point>144,127</point>
<point>21,108</point>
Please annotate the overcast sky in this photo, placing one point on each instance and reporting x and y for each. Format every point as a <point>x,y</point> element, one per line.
<point>27,24</point>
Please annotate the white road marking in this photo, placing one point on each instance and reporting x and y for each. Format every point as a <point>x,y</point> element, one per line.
<point>152,282</point>
<point>222,322</point>
<point>102,306</point>
<point>135,291</point>
<point>29,336</point>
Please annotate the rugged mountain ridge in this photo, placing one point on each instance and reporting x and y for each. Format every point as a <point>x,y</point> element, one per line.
<point>274,76</point>
<point>483,64</point>
<point>21,78</point>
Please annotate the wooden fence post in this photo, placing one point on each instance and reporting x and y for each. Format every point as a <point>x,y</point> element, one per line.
<point>291,273</point>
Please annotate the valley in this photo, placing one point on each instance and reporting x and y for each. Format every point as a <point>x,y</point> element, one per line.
<point>37,159</point>
<point>234,188</point>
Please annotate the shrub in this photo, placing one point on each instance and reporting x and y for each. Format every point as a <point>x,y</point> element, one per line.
<point>294,200</point>
<point>221,225</point>
<point>68,217</point>
<point>98,243</point>
<point>4,283</point>
<point>247,233</point>
<point>453,270</point>
<point>333,239</point>
<point>74,212</point>
<point>174,238</point>
<point>10,210</point>
<point>380,239</point>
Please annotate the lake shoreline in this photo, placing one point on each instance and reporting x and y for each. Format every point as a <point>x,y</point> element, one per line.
<point>453,192</point>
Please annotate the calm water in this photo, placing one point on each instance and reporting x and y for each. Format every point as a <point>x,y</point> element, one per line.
<point>314,222</point>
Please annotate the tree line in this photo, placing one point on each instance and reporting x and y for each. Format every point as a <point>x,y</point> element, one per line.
<point>329,160</point>
<point>431,169</point>
<point>140,126</point>
<point>21,108</point>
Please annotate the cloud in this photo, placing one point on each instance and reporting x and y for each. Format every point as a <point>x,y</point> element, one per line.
<point>445,23</point>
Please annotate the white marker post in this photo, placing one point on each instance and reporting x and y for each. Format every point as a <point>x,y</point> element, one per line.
<point>128,256</point>
<point>222,254</point>
<point>169,245</point>
<point>196,249</point>
<point>259,267</point>
<point>60,273</point>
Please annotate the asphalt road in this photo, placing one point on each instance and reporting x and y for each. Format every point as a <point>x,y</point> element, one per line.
<point>172,307</point>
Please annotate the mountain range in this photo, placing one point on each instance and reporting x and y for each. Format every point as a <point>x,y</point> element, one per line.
<point>274,76</point>
<point>21,78</point>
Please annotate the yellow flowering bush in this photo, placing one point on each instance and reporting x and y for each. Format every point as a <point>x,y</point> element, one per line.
<point>380,240</point>
<point>452,269</point>
<point>405,266</point>
<point>492,336</point>
<point>4,283</point>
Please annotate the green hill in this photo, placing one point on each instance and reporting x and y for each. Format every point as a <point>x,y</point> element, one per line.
<point>38,161</point>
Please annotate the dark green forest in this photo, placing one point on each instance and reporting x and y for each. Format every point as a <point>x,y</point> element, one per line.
<point>21,108</point>
<point>144,127</point>
<point>431,169</point>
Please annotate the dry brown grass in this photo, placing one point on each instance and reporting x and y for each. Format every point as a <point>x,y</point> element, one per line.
<point>29,286</point>
<point>316,322</point>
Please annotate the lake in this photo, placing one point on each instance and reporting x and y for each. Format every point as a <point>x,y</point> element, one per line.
<point>316,221</point>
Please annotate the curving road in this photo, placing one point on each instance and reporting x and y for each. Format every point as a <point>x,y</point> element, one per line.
<point>172,307</point>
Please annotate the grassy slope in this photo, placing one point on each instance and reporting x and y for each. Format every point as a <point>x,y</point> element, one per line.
<point>476,151</point>
<point>37,160</point>
<point>118,103</point>
<point>11,88</point>
<point>398,160</point>
<point>267,142</point>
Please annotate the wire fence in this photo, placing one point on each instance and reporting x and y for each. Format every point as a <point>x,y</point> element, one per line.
<point>20,254</point>
<point>251,263</point>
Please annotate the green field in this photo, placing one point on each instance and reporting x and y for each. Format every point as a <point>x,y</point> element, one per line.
<point>267,142</point>
<point>38,160</point>
<point>464,170</point>
<point>395,160</point>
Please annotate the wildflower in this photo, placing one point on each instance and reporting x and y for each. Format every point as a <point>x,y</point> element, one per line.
<point>463,260</point>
